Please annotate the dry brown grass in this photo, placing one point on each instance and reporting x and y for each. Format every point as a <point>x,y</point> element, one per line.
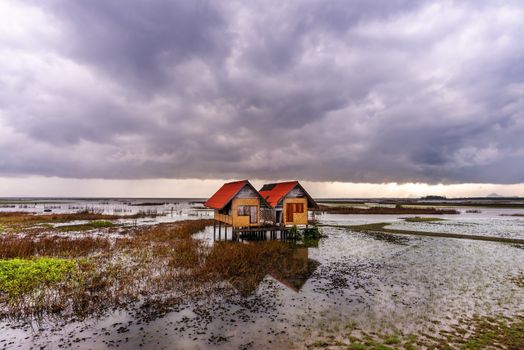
<point>146,263</point>
<point>27,247</point>
<point>18,221</point>
<point>244,266</point>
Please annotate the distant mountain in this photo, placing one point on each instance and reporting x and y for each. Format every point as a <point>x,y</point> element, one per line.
<point>491,195</point>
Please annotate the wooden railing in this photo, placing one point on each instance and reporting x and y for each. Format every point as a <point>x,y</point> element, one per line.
<point>224,218</point>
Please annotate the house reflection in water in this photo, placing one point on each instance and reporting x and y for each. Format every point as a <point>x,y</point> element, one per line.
<point>298,271</point>
<point>292,268</point>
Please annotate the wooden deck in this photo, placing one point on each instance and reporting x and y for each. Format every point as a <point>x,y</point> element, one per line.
<point>223,232</point>
<point>226,219</point>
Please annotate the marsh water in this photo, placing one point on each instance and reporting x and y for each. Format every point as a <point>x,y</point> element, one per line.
<point>388,284</point>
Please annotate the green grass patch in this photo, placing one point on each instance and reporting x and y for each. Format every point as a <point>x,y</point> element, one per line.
<point>20,276</point>
<point>477,333</point>
<point>422,219</point>
<point>496,331</point>
<point>88,226</point>
<point>392,340</point>
<point>378,346</point>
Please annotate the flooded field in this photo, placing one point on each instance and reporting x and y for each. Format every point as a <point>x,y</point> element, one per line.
<point>489,222</point>
<point>346,290</point>
<point>154,210</point>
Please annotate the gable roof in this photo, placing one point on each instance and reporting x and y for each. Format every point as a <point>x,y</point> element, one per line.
<point>274,192</point>
<point>227,192</point>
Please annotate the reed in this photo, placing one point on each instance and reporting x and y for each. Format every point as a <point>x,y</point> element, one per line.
<point>18,221</point>
<point>160,264</point>
<point>16,246</point>
<point>146,262</point>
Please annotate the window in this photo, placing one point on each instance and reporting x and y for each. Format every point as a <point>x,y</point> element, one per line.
<point>248,210</point>
<point>243,210</point>
<point>295,207</point>
<point>292,208</point>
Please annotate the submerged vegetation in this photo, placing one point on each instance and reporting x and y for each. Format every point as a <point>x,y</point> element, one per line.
<point>422,219</point>
<point>381,229</point>
<point>160,264</point>
<point>22,221</point>
<point>70,272</point>
<point>518,280</point>
<point>29,246</point>
<point>109,272</point>
<point>474,333</point>
<point>397,210</point>
<point>88,226</point>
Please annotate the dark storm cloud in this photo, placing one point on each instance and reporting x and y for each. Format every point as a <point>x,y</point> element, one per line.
<point>141,40</point>
<point>429,91</point>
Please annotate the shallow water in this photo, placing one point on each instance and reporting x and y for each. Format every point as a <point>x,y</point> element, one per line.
<point>161,210</point>
<point>382,283</point>
<point>493,222</point>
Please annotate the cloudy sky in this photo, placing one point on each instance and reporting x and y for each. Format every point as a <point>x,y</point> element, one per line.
<point>356,97</point>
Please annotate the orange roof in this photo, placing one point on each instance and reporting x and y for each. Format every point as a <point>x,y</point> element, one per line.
<point>225,194</point>
<point>273,193</point>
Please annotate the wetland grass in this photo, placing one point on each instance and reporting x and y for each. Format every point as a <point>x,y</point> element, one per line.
<point>245,265</point>
<point>159,265</point>
<point>518,280</point>
<point>398,210</point>
<point>31,246</point>
<point>476,333</point>
<point>28,287</point>
<point>108,273</point>
<point>19,221</point>
<point>20,276</point>
<point>92,225</point>
<point>423,219</point>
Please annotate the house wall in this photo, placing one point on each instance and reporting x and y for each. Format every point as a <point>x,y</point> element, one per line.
<point>247,192</point>
<point>234,219</point>
<point>298,218</point>
<point>244,220</point>
<point>296,193</point>
<point>229,215</point>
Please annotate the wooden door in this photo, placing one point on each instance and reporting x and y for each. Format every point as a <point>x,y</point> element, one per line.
<point>278,216</point>
<point>289,212</point>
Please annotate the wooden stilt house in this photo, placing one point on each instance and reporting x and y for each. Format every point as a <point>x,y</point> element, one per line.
<point>237,204</point>
<point>289,202</point>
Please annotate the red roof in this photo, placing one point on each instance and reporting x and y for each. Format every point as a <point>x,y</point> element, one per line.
<point>273,193</point>
<point>225,194</point>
